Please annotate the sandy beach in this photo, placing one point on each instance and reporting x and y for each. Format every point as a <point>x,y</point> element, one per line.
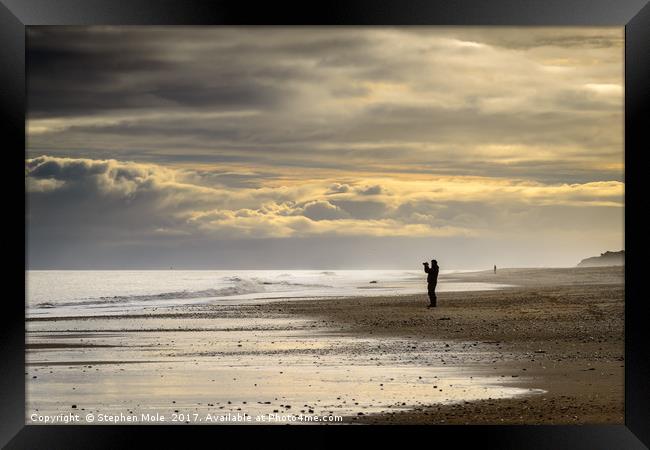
<point>547,350</point>
<point>560,330</point>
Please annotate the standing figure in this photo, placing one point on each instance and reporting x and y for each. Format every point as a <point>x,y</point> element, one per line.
<point>495,268</point>
<point>432,281</point>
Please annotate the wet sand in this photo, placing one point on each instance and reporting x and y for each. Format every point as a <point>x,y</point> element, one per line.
<point>250,361</point>
<point>560,330</point>
<point>549,350</point>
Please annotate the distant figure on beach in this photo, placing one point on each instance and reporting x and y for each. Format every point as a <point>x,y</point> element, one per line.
<point>432,281</point>
<point>495,268</point>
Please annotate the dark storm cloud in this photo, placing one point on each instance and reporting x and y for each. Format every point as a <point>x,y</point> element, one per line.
<point>177,140</point>
<point>87,70</point>
<point>307,86</point>
<point>69,73</point>
<point>83,72</point>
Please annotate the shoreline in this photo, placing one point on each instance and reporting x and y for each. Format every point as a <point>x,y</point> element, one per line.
<point>558,330</point>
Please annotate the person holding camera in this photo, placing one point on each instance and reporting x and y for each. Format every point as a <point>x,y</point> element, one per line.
<point>432,281</point>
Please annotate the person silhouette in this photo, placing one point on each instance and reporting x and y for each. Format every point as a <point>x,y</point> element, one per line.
<point>432,281</point>
<point>495,268</point>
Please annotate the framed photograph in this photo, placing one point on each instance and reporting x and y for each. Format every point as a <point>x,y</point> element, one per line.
<point>410,217</point>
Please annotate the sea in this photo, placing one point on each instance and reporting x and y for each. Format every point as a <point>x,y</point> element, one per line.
<point>108,292</point>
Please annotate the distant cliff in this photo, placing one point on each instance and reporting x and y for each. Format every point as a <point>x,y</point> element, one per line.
<point>605,259</point>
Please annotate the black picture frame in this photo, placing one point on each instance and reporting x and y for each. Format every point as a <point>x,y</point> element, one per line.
<point>634,15</point>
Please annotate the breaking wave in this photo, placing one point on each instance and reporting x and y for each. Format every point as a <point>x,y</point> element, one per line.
<point>241,286</point>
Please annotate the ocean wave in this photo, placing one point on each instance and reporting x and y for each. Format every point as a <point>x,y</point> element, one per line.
<point>289,283</point>
<point>241,286</point>
<point>46,305</point>
<point>264,282</point>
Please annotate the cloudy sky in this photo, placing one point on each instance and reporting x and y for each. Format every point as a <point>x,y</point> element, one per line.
<point>210,147</point>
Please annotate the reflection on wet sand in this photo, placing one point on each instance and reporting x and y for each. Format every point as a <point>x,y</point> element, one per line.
<point>202,363</point>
